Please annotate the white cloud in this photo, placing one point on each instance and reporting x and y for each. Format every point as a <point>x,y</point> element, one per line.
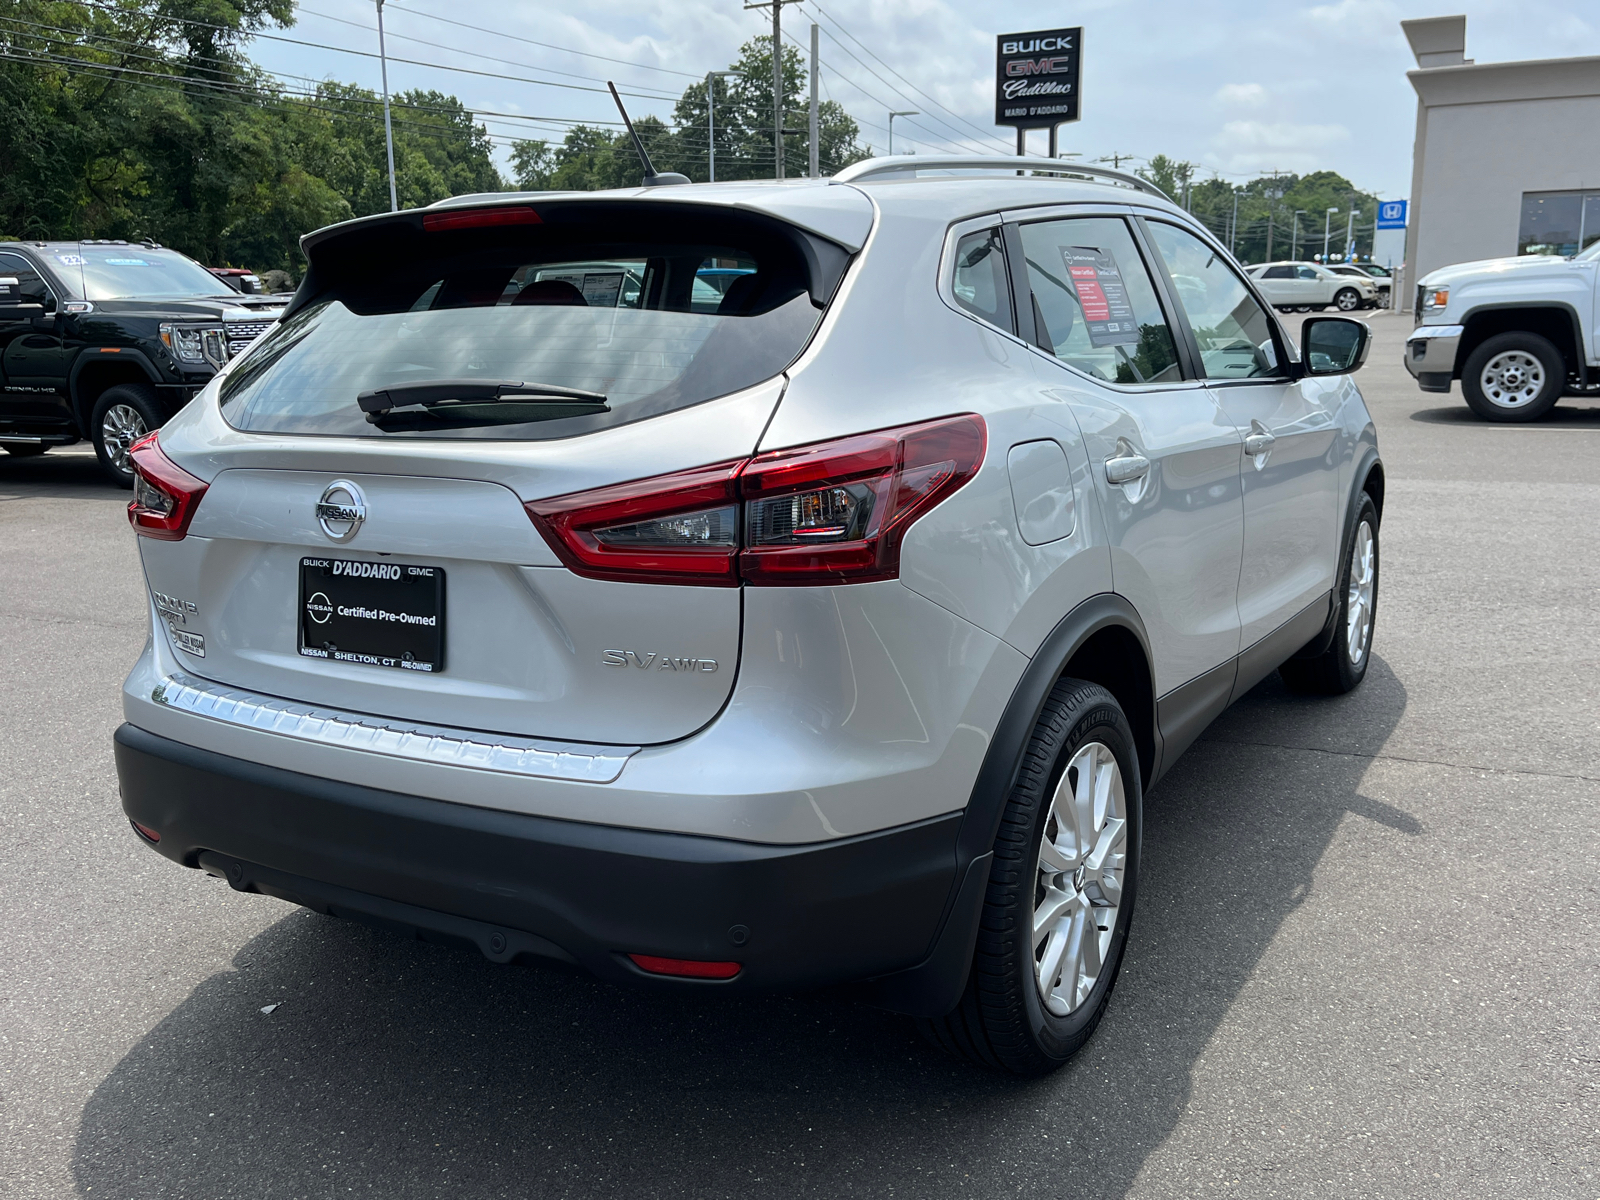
<point>1242,95</point>
<point>1254,146</point>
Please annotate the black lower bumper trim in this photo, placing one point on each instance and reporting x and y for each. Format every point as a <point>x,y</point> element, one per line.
<point>519,886</point>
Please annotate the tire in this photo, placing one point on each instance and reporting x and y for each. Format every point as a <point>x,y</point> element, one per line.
<point>24,449</point>
<point>1006,1019</point>
<point>1347,299</point>
<point>1343,665</point>
<point>122,416</point>
<point>1284,307</point>
<point>1302,308</point>
<point>1513,377</point>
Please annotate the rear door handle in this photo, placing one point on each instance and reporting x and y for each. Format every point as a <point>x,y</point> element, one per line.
<point>1127,468</point>
<point>1258,443</point>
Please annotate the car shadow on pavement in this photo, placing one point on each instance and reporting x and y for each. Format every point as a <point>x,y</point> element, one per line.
<point>69,476</point>
<point>1567,415</point>
<point>405,1069</point>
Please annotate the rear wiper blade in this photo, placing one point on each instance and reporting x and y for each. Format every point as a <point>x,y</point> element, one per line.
<point>466,394</point>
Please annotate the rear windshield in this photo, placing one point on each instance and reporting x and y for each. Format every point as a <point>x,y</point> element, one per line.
<point>533,332</point>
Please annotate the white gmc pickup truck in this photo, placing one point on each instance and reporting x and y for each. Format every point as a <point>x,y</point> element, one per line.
<point>1519,333</point>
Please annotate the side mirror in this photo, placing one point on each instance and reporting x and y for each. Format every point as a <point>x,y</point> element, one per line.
<point>1333,345</point>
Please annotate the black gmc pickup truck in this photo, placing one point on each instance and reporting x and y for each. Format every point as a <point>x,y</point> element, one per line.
<point>106,340</point>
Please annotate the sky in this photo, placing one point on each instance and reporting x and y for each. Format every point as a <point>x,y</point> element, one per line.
<point>1241,89</point>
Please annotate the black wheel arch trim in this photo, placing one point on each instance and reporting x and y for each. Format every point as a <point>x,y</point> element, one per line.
<point>1368,466</point>
<point>934,986</point>
<point>1580,350</point>
<point>94,358</point>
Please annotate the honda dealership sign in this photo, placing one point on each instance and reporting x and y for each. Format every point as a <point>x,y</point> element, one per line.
<point>1036,78</point>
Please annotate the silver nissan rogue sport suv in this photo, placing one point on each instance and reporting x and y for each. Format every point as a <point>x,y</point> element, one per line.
<point>747,586</point>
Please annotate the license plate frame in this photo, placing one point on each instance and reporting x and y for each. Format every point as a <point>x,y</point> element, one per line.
<point>376,614</point>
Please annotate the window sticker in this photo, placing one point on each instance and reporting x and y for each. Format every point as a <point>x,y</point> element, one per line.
<point>126,262</point>
<point>70,260</point>
<point>1107,311</point>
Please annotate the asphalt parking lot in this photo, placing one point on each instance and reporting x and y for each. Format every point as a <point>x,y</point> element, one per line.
<point>1364,961</point>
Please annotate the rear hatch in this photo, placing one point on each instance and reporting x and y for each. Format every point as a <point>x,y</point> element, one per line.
<point>363,543</point>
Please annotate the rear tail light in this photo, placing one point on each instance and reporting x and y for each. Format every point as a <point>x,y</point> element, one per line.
<point>687,968</point>
<point>679,528</point>
<point>165,496</point>
<point>833,512</point>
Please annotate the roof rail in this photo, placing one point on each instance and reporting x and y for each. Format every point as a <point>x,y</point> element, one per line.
<point>911,164</point>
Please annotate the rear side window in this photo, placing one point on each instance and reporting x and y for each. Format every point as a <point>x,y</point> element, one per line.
<point>1095,306</point>
<point>1278,273</point>
<point>592,317</point>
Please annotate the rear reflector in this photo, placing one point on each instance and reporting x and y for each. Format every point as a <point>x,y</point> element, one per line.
<point>833,512</point>
<point>479,218</point>
<point>145,832</point>
<point>165,496</point>
<point>688,968</point>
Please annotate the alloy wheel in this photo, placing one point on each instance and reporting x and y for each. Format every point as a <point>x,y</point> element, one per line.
<point>120,428</point>
<point>1347,301</point>
<point>1358,599</point>
<point>1512,379</point>
<point>1082,858</point>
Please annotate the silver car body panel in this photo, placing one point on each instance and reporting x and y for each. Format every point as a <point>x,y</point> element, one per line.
<point>857,708</point>
<point>843,709</point>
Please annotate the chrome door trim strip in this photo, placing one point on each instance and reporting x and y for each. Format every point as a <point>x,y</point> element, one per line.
<point>502,753</point>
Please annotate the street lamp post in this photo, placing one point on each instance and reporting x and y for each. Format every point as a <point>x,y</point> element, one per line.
<point>1294,237</point>
<point>388,129</point>
<point>711,122</point>
<point>1350,234</point>
<point>1326,228</point>
<point>910,112</point>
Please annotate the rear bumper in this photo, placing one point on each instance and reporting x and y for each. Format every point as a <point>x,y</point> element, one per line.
<point>519,886</point>
<point>1430,355</point>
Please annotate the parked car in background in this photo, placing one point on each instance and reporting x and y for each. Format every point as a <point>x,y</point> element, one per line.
<point>239,279</point>
<point>827,633</point>
<point>1304,287</point>
<point>1378,275</point>
<point>106,340</point>
<point>1519,333</point>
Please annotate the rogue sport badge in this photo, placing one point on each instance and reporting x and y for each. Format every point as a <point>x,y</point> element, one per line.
<point>341,510</point>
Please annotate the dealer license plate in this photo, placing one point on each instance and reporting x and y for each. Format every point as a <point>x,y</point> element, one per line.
<point>378,614</point>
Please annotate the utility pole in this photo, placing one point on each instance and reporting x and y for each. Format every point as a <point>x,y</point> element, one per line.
<point>1350,234</point>
<point>777,76</point>
<point>711,121</point>
<point>1294,242</point>
<point>1269,236</point>
<point>388,129</point>
<point>1115,159</point>
<point>1233,226</point>
<point>816,124</point>
<point>910,112</point>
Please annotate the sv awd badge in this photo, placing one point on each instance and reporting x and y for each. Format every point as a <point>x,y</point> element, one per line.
<point>659,662</point>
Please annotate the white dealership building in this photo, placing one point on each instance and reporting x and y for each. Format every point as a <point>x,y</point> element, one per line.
<point>1507,155</point>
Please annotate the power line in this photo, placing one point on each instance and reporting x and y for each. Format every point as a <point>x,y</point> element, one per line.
<point>459,50</point>
<point>982,133</point>
<point>546,45</point>
<point>369,54</point>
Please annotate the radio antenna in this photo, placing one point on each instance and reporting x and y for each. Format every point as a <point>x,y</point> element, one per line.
<point>651,179</point>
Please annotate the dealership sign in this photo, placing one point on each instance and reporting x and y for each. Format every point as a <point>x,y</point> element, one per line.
<point>1036,78</point>
<point>1392,214</point>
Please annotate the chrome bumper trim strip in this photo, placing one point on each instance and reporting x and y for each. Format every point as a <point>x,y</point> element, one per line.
<point>503,753</point>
